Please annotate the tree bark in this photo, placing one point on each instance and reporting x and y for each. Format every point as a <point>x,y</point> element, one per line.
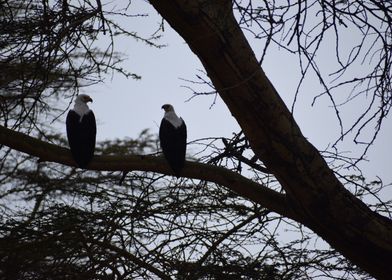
<point>317,196</point>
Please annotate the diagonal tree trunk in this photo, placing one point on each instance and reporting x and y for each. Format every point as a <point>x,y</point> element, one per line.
<point>325,206</point>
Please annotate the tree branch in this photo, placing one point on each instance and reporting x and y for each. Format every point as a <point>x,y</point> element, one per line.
<point>247,188</point>
<point>132,258</point>
<point>212,32</point>
<point>224,236</point>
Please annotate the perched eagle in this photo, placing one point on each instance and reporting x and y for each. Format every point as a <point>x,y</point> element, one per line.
<point>172,136</point>
<point>81,131</point>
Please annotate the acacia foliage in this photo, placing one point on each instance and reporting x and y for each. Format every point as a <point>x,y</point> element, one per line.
<point>48,52</point>
<point>64,223</point>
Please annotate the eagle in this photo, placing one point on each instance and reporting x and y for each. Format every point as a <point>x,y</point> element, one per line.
<point>172,137</point>
<point>81,131</point>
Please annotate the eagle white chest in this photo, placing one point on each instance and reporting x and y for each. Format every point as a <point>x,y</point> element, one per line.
<point>81,109</point>
<point>173,119</point>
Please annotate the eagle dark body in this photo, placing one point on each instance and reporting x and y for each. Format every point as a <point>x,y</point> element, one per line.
<point>173,144</point>
<point>81,133</point>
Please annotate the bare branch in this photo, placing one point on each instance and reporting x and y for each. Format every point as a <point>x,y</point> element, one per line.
<point>48,152</point>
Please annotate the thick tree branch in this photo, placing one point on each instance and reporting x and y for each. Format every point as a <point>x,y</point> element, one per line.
<point>247,188</point>
<point>213,34</point>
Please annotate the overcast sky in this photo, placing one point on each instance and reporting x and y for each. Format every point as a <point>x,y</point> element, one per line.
<point>123,107</point>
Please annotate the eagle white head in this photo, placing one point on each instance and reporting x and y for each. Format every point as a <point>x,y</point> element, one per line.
<point>81,106</point>
<point>83,98</point>
<point>168,107</point>
<point>171,115</point>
